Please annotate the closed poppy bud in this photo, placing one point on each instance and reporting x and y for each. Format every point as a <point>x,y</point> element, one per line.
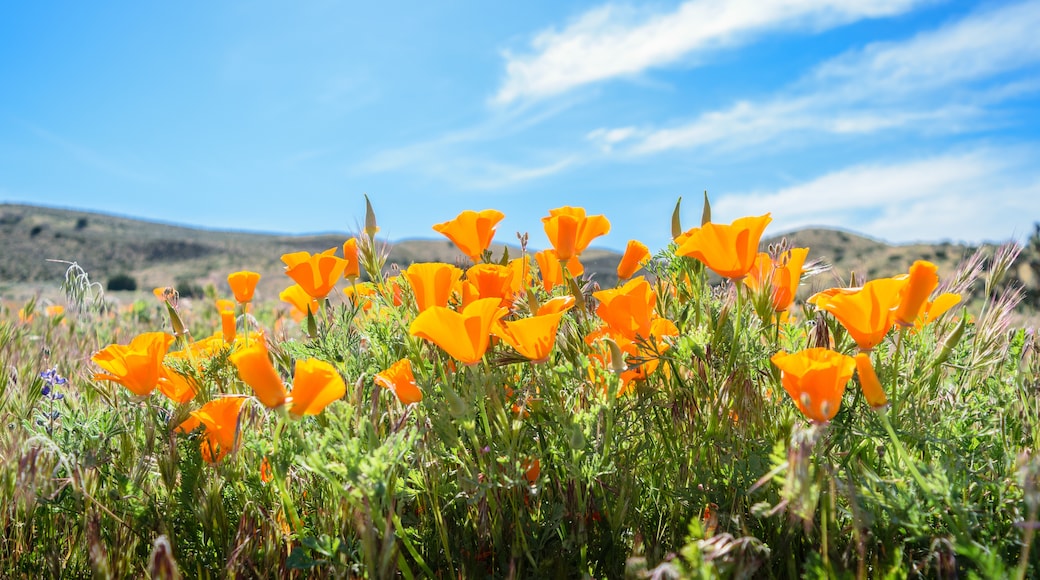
<point>352,271</point>
<point>922,282</point>
<point>370,219</point>
<point>243,284</point>
<point>316,383</point>
<point>636,254</point>
<point>255,368</point>
<point>400,379</point>
<point>868,381</point>
<point>226,308</point>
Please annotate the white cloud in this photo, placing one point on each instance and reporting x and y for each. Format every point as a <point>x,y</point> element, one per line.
<point>973,196</point>
<point>613,41</point>
<point>939,81</point>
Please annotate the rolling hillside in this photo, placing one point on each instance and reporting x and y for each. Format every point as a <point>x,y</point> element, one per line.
<point>157,254</point>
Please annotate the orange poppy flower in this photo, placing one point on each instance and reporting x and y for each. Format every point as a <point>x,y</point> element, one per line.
<point>432,283</point>
<point>138,365</point>
<point>255,369</point>
<point>300,301</point>
<point>933,309</point>
<point>488,281</point>
<point>352,271</point>
<point>866,313</point>
<point>220,419</point>
<point>316,383</point>
<point>400,379</point>
<point>54,310</point>
<point>635,257</point>
<point>570,231</point>
<point>728,250</point>
<point>466,335</point>
<point>551,268</point>
<point>243,284</point>
<point>176,387</point>
<point>471,231</point>
<point>317,273</point>
<point>815,378</point>
<point>533,337</point>
<point>868,381</point>
<point>226,308</point>
<point>782,276</point>
<point>628,310</point>
<point>923,280</point>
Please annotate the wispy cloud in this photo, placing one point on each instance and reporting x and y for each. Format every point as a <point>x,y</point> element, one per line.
<point>91,157</point>
<point>943,80</point>
<point>463,171</point>
<point>460,157</point>
<point>614,41</point>
<point>971,196</point>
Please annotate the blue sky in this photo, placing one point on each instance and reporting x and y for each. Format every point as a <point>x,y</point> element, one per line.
<point>904,120</point>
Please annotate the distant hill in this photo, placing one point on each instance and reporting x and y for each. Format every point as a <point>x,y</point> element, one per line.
<point>156,254</point>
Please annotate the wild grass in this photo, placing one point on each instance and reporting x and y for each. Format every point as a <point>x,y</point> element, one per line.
<point>506,468</point>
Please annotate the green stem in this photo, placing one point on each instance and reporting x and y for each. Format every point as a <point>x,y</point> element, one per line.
<point>904,457</point>
<point>736,328</point>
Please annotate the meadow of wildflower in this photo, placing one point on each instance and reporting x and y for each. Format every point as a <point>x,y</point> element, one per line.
<point>507,416</point>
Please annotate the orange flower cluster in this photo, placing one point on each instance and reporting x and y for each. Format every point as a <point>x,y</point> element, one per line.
<point>515,309</point>
<point>816,378</point>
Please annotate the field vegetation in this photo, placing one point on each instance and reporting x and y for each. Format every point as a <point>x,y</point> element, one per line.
<point>726,407</point>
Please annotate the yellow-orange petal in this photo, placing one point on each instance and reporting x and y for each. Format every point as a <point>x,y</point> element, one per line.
<point>400,379</point>
<point>868,381</point>
<point>464,336</point>
<point>220,419</point>
<point>815,378</point>
<point>352,270</point>
<point>532,337</point>
<point>635,256</point>
<point>432,283</point>
<point>255,369</point>
<point>177,387</point>
<point>923,280</point>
